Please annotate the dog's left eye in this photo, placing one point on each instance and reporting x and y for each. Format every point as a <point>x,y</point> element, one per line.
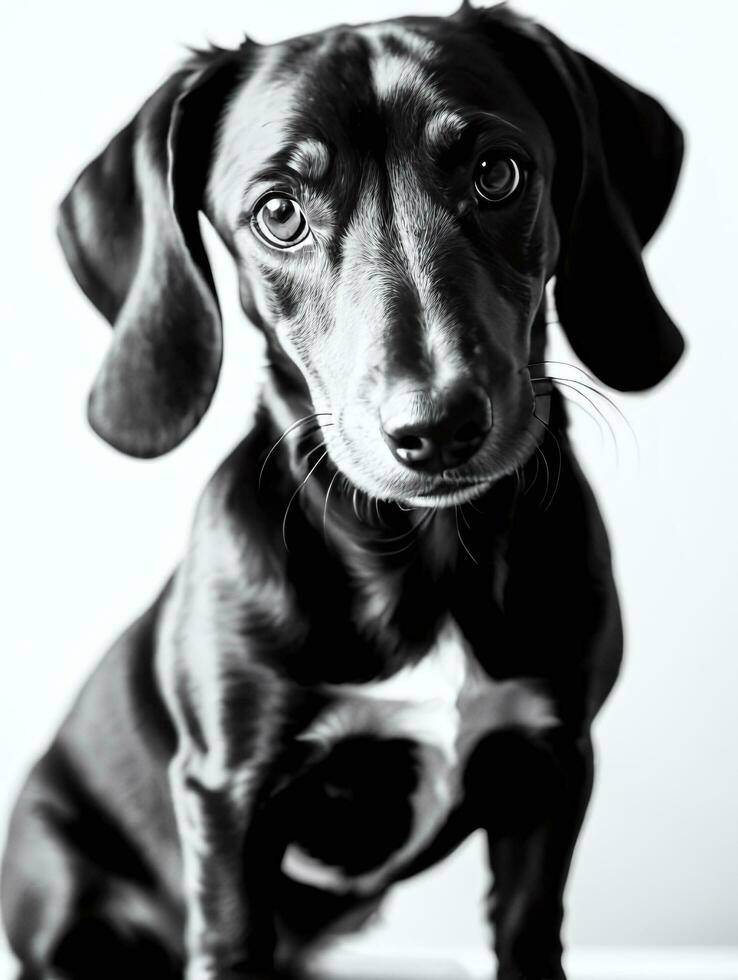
<point>280,221</point>
<point>497,179</point>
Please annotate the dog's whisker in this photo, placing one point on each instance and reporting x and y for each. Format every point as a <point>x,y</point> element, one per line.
<point>574,367</point>
<point>601,394</point>
<point>303,436</point>
<point>590,415</point>
<point>542,454</point>
<point>406,547</point>
<point>419,526</point>
<point>296,492</point>
<point>550,431</point>
<point>356,509</point>
<point>413,527</point>
<point>399,551</point>
<point>527,487</point>
<point>573,387</point>
<point>325,505</point>
<point>576,384</point>
<point>314,450</point>
<point>315,428</point>
<point>458,534</point>
<point>287,431</point>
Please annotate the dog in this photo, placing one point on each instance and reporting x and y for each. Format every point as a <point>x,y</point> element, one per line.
<point>396,618</point>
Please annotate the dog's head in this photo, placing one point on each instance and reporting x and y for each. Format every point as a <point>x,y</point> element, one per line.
<point>396,197</point>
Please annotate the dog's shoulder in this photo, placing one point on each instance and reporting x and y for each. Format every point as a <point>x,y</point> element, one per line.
<point>232,588</point>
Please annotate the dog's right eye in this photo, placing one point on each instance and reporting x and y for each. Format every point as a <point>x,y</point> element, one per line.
<point>279,220</point>
<point>497,178</point>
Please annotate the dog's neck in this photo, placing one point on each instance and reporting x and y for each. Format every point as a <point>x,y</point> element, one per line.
<point>388,575</point>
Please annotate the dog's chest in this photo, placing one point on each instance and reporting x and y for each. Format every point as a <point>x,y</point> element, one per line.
<point>443,705</point>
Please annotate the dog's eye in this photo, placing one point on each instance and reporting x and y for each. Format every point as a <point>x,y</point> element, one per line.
<point>280,221</point>
<point>497,179</point>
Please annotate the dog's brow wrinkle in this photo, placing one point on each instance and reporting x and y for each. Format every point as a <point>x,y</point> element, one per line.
<point>445,128</point>
<point>448,125</point>
<point>311,159</point>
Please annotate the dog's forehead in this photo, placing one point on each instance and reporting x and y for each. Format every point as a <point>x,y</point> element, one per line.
<point>353,92</point>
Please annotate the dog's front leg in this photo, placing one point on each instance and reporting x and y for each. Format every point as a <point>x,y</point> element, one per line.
<point>228,865</point>
<point>545,787</point>
<point>229,719</point>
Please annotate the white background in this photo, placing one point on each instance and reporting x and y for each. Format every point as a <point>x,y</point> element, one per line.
<point>88,536</point>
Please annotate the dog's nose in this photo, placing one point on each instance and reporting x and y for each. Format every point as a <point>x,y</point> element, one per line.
<point>433,433</point>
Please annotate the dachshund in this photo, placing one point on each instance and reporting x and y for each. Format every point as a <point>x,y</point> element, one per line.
<point>395,619</point>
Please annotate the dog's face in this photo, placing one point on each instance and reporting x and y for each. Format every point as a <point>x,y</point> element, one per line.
<point>393,228</point>
<point>396,197</point>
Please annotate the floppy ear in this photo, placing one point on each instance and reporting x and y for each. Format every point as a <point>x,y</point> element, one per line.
<point>129,231</point>
<point>618,159</point>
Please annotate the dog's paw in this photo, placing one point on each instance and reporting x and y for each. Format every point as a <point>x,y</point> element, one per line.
<point>518,975</point>
<point>530,976</point>
<point>209,970</point>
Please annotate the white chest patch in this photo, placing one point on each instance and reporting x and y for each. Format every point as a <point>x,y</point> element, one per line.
<point>445,703</point>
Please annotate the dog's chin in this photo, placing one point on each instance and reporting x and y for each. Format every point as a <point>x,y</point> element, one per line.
<point>447,494</point>
<point>450,490</point>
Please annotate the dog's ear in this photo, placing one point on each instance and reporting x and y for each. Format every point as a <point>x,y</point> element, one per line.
<point>129,230</point>
<point>618,159</point>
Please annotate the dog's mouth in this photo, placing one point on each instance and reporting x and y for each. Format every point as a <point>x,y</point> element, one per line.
<point>502,455</point>
<point>448,488</point>
<point>450,492</point>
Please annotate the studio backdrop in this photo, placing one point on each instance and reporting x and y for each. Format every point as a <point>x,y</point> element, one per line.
<point>89,536</point>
